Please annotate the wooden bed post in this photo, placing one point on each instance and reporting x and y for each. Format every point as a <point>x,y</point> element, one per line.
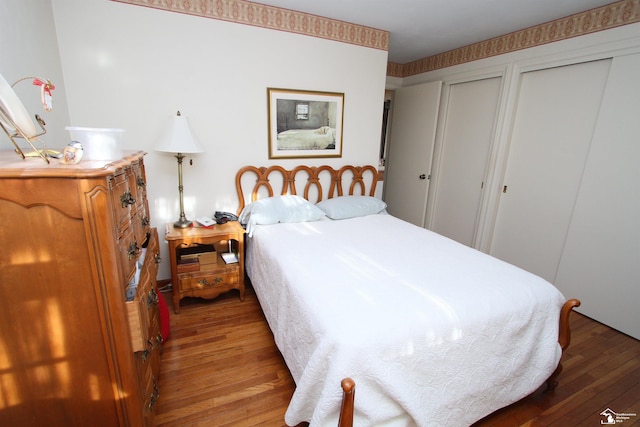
<point>346,410</point>
<point>564,338</point>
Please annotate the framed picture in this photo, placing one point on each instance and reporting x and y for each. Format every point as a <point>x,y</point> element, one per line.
<point>304,123</point>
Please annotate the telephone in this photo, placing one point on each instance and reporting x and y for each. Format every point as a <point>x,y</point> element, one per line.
<point>224,217</point>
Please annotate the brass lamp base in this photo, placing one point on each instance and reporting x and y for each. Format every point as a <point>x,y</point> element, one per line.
<point>182,223</point>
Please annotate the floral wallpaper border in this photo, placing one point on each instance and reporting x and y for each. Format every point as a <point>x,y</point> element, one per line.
<point>259,15</point>
<point>602,18</point>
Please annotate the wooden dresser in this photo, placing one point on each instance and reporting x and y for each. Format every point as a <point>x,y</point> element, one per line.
<point>79,324</point>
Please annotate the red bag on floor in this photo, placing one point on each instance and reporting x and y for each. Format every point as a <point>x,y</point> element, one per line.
<point>165,326</point>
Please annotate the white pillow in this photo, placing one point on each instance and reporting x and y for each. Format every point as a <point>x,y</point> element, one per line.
<point>351,206</point>
<point>272,210</point>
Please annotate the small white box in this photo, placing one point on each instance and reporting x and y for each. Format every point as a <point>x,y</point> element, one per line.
<point>98,143</point>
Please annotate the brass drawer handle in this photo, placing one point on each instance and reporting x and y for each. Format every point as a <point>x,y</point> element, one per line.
<point>157,258</point>
<point>152,298</point>
<point>155,395</point>
<point>127,199</point>
<point>140,182</point>
<point>145,221</point>
<point>205,282</point>
<point>147,351</point>
<point>133,250</point>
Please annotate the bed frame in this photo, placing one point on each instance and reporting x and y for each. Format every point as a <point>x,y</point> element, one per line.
<point>314,183</point>
<point>319,182</point>
<point>564,338</point>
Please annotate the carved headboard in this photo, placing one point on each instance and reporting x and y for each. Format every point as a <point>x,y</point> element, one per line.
<point>314,183</point>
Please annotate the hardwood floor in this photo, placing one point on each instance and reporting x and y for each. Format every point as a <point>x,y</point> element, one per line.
<point>220,367</point>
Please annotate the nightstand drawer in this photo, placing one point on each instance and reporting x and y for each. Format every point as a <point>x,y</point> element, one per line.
<point>207,279</point>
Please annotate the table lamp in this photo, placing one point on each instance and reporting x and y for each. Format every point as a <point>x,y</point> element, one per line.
<point>179,139</point>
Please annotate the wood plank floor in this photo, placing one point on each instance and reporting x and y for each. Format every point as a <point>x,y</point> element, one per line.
<point>220,367</point>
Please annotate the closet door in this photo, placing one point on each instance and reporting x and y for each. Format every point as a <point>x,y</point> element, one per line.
<point>556,113</point>
<point>413,128</point>
<point>460,159</point>
<point>601,260</point>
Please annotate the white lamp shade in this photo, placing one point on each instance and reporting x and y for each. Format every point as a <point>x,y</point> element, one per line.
<point>179,138</point>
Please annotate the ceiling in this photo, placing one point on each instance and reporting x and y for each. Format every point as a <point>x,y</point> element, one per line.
<point>421,28</point>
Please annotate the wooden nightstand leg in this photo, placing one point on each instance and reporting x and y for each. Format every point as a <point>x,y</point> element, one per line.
<point>176,303</point>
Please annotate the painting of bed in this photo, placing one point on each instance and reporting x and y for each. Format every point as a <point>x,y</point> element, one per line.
<point>305,123</point>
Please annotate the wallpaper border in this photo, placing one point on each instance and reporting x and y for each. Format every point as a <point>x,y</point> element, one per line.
<point>274,18</point>
<point>598,19</point>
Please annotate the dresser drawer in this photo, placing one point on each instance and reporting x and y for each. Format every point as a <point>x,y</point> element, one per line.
<point>137,181</point>
<point>152,396</point>
<point>143,309</point>
<point>141,219</point>
<point>129,251</point>
<point>140,322</point>
<point>148,370</point>
<point>122,199</point>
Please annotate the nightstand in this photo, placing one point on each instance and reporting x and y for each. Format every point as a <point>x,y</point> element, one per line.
<point>197,268</point>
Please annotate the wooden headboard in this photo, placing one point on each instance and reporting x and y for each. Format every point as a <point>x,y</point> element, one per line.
<point>314,183</point>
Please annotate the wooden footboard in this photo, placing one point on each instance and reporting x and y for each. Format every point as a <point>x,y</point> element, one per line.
<point>564,338</point>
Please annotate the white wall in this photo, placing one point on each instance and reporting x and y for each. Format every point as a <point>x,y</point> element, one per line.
<point>30,48</point>
<point>133,67</point>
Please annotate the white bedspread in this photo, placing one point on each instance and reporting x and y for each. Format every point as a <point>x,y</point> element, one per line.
<point>433,333</point>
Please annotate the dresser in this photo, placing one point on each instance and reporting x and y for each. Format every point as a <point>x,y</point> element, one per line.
<point>79,324</point>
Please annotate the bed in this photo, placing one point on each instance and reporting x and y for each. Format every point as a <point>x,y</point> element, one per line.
<point>433,332</point>
<point>307,139</point>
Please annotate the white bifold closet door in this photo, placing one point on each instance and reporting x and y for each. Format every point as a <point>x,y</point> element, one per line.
<point>600,263</point>
<point>465,132</point>
<point>555,116</point>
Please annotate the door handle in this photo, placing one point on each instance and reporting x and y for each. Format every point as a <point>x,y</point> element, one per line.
<point>423,176</point>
